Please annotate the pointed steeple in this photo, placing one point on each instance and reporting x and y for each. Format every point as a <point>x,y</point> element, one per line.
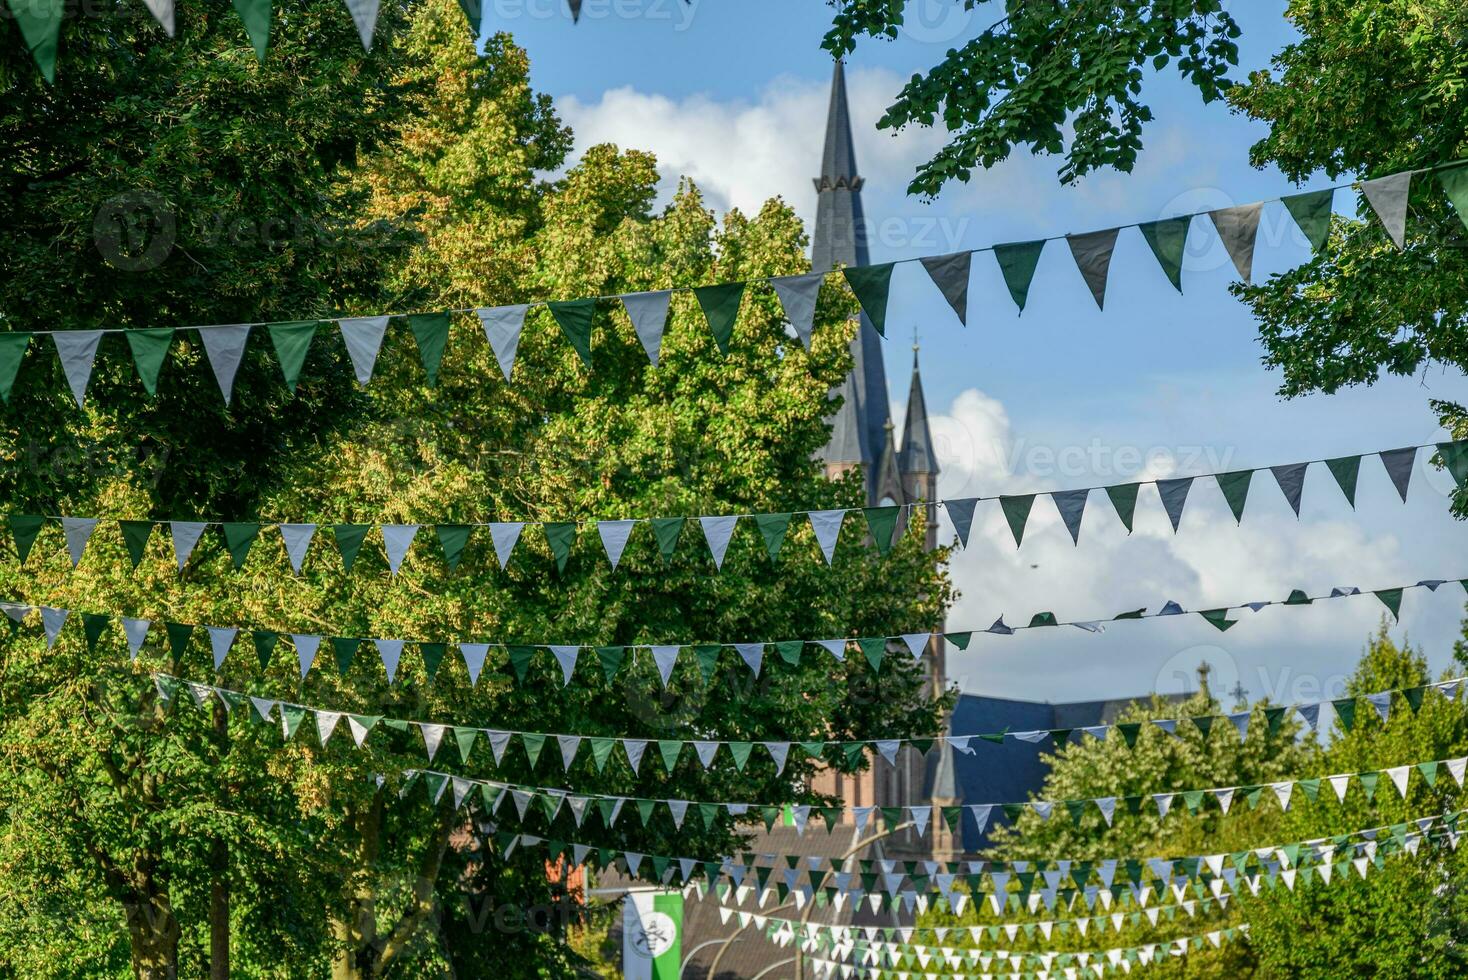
<point>918,457</point>
<point>840,240</point>
<point>887,487</point>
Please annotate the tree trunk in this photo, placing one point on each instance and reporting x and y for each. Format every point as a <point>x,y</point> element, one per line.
<point>153,931</point>
<point>219,875</point>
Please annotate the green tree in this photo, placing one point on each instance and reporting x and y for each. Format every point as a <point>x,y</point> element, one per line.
<point>1045,66</point>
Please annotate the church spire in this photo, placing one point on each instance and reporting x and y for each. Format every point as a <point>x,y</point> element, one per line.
<point>840,240</point>
<point>918,457</point>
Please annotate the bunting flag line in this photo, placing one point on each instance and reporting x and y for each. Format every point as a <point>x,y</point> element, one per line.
<point>553,800</point>
<point>40,23</point>
<point>719,529</point>
<point>707,753</point>
<point>519,657</point>
<point>224,344</point>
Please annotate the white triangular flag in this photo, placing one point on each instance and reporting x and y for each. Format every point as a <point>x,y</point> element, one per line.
<point>779,752</point>
<point>836,648</point>
<point>185,535</point>
<point>753,654</point>
<point>162,11</point>
<point>634,747</point>
<point>364,15</point>
<point>264,707</point>
<point>566,657</point>
<point>474,654</point>
<point>77,350</point>
<point>502,327</point>
<point>505,536</point>
<point>798,296</point>
<point>916,643</point>
<point>78,531</point>
<point>221,638</point>
<point>391,652</point>
<point>1283,791</point>
<point>649,313</point>
<point>1340,784</point>
<point>362,336</point>
<point>665,657</point>
<point>326,724</point>
<point>396,540</point>
<point>614,536</point>
<point>52,620</point>
<point>136,631</point>
<point>827,527</point>
<point>297,539</point>
<point>1388,198</point>
<point>717,531</point>
<point>569,744</point>
<point>1399,775</point>
<point>360,727</point>
<point>432,737</point>
<point>705,751</point>
<point>225,348</point>
<point>306,646</point>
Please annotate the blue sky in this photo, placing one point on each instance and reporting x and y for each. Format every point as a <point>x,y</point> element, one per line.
<point>734,94</point>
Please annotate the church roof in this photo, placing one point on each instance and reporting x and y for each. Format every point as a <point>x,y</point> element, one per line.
<point>917,439</point>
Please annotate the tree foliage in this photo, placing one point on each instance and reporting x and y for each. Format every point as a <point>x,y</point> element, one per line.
<point>1045,67</point>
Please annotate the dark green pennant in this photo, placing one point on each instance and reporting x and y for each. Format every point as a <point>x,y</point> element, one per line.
<point>560,535</point>
<point>433,654</point>
<point>707,655</point>
<point>345,649</point>
<point>611,659</point>
<point>882,525</point>
<point>666,530</point>
<point>1017,262</point>
<point>1218,618</point>
<point>1298,598</point>
<point>25,528</point>
<point>871,284</point>
<point>532,743</point>
<point>601,751</point>
<point>179,635</point>
<point>520,657</point>
<point>238,537</point>
<point>1413,697</point>
<point>256,17</point>
<point>1392,599</point>
<point>1204,724</point>
<point>1129,732</point>
<point>959,640</point>
<point>1235,487</point>
<point>452,538</point>
<point>431,331</point>
<point>1017,513</point>
<point>740,751</point>
<point>92,625</point>
<point>772,528</point>
<point>1124,498</point>
<point>265,642</point>
<point>874,648</point>
<point>349,539</point>
<point>790,651</point>
<point>12,352</point>
<point>1311,212</point>
<point>1043,619</point>
<point>473,14</point>
<point>720,305</point>
<point>1345,712</point>
<point>1346,470</point>
<point>292,342</point>
<point>574,318</point>
<point>1454,457</point>
<point>149,349</point>
<point>1168,239</point>
<point>669,750</point>
<point>135,536</point>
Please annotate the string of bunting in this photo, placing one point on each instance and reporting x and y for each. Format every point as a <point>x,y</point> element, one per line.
<point>178,637</point>
<point>40,23</point>
<point>889,964</point>
<point>551,801</point>
<point>707,752</point>
<point>1248,870</point>
<point>882,523</point>
<point>225,344</point>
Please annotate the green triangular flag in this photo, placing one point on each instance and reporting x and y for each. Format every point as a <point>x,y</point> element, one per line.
<point>149,348</point>
<point>40,25</point>
<point>666,530</point>
<point>790,651</point>
<point>92,625</point>
<point>25,527</point>
<point>871,284</point>
<point>720,305</point>
<point>1124,499</point>
<point>431,330</point>
<point>1455,457</point>
<point>1413,697</point>
<point>433,654</point>
<point>611,660</point>
<point>256,17</point>
<point>135,536</point>
<point>265,642</point>
<point>874,648</point>
<point>1346,470</point>
<point>1219,618</point>
<point>12,345</point>
<point>238,536</point>
<point>1312,213</point>
<point>1298,598</point>
<point>707,655</point>
<point>740,751</point>
<point>1017,261</point>
<point>345,648</point>
<point>1235,487</point>
<point>1130,731</point>
<point>1429,773</point>
<point>1345,712</point>
<point>533,743</point>
<point>520,657</point>
<point>178,639</point>
<point>669,750</point>
<point>1392,599</point>
<point>882,523</point>
<point>574,317</point>
<point>1204,724</point>
<point>1273,718</point>
<point>472,13</point>
<point>772,528</point>
<point>1168,239</point>
<point>1368,783</point>
<point>349,541</point>
<point>1043,619</point>
<point>292,342</point>
<point>560,535</point>
<point>1017,512</point>
<point>452,538</point>
<point>601,751</point>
